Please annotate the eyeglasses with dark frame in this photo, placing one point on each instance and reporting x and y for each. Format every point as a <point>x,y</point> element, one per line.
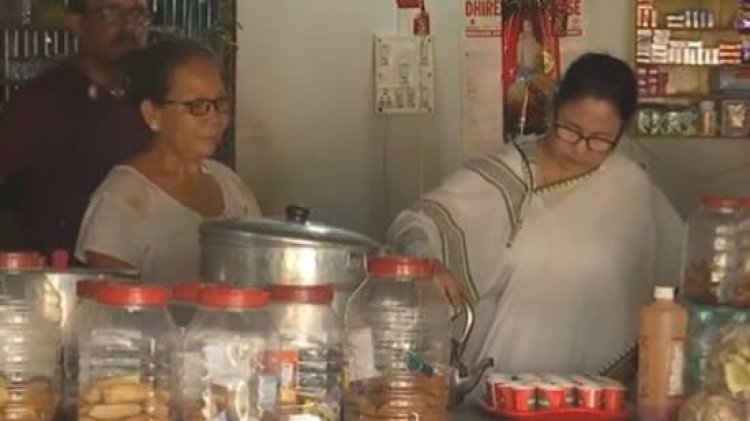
<point>594,143</point>
<point>118,15</point>
<point>202,106</point>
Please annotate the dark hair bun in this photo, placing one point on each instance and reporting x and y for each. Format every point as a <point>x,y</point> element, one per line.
<point>603,77</point>
<point>150,69</point>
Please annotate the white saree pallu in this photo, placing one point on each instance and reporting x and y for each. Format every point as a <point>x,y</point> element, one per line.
<point>557,273</point>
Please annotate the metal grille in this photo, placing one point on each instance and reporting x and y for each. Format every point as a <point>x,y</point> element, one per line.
<point>28,49</point>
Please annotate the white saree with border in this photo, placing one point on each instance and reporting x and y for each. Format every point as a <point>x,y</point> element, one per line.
<point>558,273</point>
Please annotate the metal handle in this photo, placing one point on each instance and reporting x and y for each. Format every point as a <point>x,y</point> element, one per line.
<point>465,307</point>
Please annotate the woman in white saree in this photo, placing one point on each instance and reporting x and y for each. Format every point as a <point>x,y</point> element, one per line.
<point>558,240</point>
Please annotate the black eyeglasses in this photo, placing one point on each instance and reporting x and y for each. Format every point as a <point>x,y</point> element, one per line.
<point>202,106</point>
<point>594,143</point>
<point>117,15</point>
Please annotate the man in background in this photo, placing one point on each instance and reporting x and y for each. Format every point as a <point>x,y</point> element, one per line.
<point>64,130</point>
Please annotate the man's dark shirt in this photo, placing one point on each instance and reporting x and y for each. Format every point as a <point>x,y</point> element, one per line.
<point>59,138</point>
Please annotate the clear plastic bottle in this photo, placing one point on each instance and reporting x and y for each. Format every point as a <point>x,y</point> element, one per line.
<point>310,352</point>
<point>397,341</point>
<point>661,360</point>
<point>230,368</point>
<point>125,354</point>
<point>712,259</point>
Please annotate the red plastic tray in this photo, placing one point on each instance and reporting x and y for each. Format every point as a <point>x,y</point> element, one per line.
<point>568,414</point>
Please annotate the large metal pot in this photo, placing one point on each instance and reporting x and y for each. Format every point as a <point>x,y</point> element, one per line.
<point>294,252</point>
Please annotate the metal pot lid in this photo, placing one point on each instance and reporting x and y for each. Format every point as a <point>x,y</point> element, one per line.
<point>295,230</point>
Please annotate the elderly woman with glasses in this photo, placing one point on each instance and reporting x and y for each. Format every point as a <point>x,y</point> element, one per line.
<point>557,240</point>
<point>146,213</point>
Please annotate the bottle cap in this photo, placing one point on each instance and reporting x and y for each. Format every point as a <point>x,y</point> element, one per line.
<point>132,294</point>
<point>312,294</point>
<point>664,293</point>
<point>233,296</point>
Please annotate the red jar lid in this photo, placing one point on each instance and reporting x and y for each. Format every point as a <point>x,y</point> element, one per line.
<point>400,266</point>
<point>312,294</point>
<point>745,203</point>
<point>132,294</point>
<point>21,260</point>
<point>187,291</point>
<point>720,202</point>
<point>233,296</point>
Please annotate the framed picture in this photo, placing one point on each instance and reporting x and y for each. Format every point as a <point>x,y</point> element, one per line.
<point>735,118</point>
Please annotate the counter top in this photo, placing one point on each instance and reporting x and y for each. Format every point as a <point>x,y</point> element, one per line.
<point>467,413</point>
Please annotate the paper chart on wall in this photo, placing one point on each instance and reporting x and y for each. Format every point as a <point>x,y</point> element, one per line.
<point>482,115</point>
<point>404,75</point>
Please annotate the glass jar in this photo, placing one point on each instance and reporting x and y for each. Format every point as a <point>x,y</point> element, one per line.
<point>711,262</point>
<point>29,362</point>
<point>230,367</point>
<point>397,342</point>
<point>310,352</point>
<point>184,302</point>
<point>125,354</point>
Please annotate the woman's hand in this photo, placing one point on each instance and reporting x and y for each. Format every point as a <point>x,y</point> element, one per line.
<point>453,288</point>
<point>102,261</point>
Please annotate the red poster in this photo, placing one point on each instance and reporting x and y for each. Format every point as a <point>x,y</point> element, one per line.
<point>531,68</point>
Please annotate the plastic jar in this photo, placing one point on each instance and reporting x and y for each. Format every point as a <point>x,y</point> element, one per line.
<point>29,362</point>
<point>85,294</point>
<point>230,368</point>
<point>712,259</point>
<point>397,344</point>
<point>125,354</point>
<point>310,357</point>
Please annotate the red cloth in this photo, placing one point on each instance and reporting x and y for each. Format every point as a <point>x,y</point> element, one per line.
<point>58,140</point>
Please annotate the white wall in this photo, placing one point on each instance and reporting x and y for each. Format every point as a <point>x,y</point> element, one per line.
<point>306,131</point>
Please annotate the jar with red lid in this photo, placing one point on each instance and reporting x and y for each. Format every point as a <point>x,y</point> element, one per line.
<point>712,259</point>
<point>184,302</point>
<point>310,359</point>
<point>29,339</point>
<point>229,369</point>
<point>397,343</point>
<point>22,277</point>
<point>125,353</point>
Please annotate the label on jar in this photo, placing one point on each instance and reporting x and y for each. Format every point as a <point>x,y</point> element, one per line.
<point>267,386</point>
<point>676,369</point>
<point>361,354</point>
<point>288,378</point>
<point>227,360</point>
<point>308,371</point>
<point>232,365</point>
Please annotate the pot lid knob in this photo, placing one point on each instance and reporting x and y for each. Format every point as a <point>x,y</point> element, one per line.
<point>297,214</point>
